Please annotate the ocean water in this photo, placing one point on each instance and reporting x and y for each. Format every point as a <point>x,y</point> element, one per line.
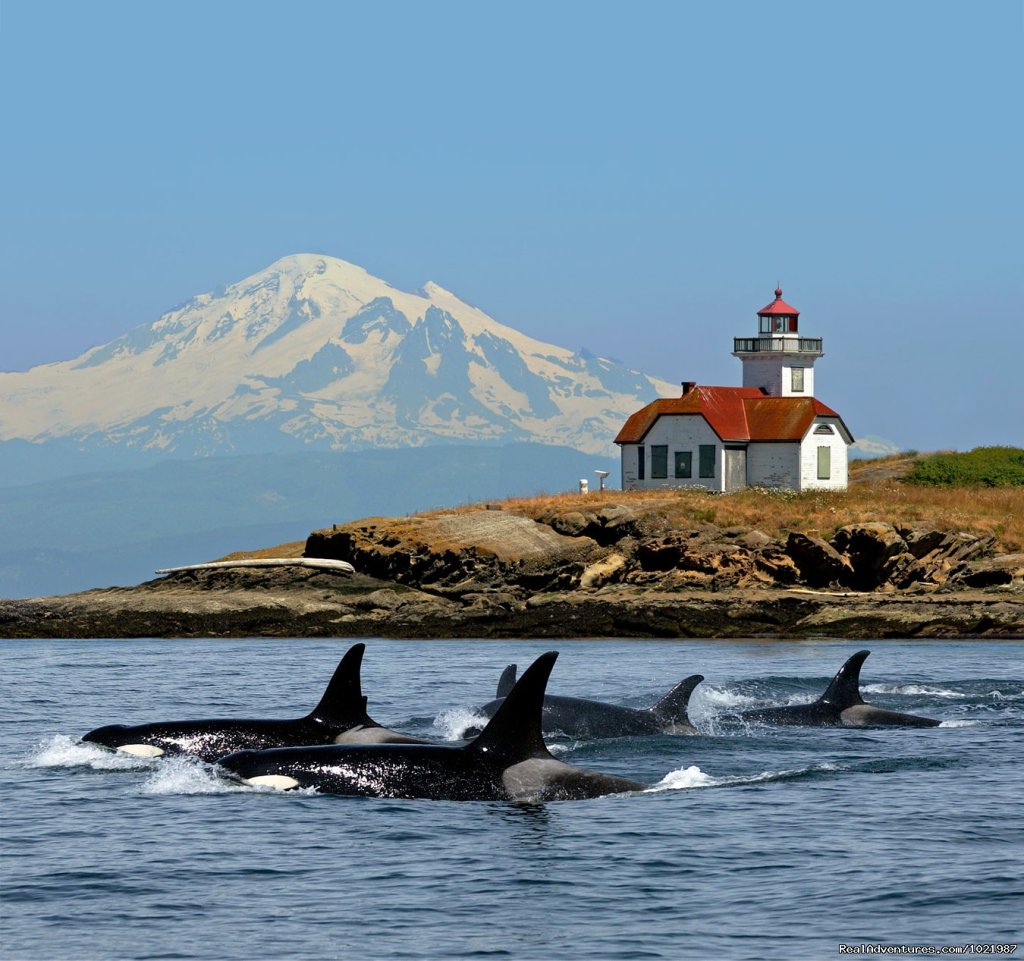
<point>754,842</point>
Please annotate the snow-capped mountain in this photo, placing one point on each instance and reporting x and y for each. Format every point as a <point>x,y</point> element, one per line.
<point>315,352</point>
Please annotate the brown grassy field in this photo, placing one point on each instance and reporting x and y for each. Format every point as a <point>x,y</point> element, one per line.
<point>876,493</point>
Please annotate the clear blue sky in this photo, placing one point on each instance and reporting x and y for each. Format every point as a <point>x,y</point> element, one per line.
<point>631,177</point>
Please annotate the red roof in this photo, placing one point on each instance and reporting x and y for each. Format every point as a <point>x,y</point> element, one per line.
<point>734,414</point>
<point>778,306</point>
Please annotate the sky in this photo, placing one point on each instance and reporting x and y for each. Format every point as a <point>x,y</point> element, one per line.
<point>630,178</point>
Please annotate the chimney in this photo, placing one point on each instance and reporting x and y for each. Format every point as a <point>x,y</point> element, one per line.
<point>688,385</point>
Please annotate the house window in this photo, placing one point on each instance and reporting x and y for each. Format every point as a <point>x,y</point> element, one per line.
<point>824,463</point>
<point>641,465</point>
<point>824,429</point>
<point>707,460</point>
<point>659,461</point>
<point>798,380</point>
<point>684,463</point>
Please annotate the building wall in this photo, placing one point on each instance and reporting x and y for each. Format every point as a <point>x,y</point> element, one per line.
<point>681,432</point>
<point>809,457</point>
<point>773,373</point>
<point>787,465</point>
<point>774,465</point>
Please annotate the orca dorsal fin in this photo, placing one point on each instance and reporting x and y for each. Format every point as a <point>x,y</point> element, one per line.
<point>844,691</point>
<point>507,681</point>
<point>514,732</point>
<point>672,707</point>
<point>343,703</point>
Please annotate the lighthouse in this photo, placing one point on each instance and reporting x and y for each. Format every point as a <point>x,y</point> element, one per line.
<point>778,360</point>
<point>771,432</point>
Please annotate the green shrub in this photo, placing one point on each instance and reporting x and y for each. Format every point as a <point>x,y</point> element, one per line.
<point>983,466</point>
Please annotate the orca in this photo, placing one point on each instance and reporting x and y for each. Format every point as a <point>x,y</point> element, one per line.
<point>507,762</point>
<point>840,706</point>
<point>339,718</point>
<point>583,719</point>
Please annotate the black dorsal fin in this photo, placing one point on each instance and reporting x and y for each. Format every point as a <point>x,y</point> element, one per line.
<point>507,681</point>
<point>672,707</point>
<point>514,732</point>
<point>844,691</point>
<point>343,703</point>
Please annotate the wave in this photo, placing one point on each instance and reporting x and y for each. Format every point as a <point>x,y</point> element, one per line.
<point>453,722</point>
<point>184,775</point>
<point>913,689</point>
<point>693,777</point>
<point>64,751</point>
<point>717,699</point>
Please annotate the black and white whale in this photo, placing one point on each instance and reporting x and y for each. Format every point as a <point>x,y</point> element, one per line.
<point>584,719</point>
<point>841,705</point>
<point>508,761</point>
<point>339,718</point>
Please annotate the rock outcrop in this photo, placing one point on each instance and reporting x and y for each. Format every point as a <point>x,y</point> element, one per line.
<point>573,572</point>
<point>468,551</point>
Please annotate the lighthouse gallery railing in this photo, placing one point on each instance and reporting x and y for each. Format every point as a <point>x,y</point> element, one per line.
<point>796,345</point>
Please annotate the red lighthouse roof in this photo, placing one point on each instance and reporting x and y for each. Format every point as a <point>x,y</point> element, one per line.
<point>778,306</point>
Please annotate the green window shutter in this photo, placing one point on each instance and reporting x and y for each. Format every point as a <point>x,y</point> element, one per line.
<point>641,463</point>
<point>659,461</point>
<point>707,460</point>
<point>824,463</point>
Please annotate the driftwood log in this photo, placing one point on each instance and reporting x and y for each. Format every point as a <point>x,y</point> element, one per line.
<point>321,563</point>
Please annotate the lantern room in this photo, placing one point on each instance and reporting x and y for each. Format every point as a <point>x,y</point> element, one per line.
<point>778,360</point>
<point>778,317</point>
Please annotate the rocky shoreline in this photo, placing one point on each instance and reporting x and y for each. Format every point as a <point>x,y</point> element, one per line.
<point>566,572</point>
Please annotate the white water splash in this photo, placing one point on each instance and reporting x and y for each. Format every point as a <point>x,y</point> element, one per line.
<point>454,722</point>
<point>716,700</point>
<point>683,778</point>
<point>694,777</point>
<point>562,747</point>
<point>917,689</point>
<point>64,751</point>
<point>184,775</point>
<point>959,723</point>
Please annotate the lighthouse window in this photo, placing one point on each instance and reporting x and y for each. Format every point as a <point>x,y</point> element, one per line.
<point>798,380</point>
<point>766,325</point>
<point>659,461</point>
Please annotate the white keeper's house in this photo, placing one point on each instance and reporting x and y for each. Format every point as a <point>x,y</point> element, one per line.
<point>771,432</point>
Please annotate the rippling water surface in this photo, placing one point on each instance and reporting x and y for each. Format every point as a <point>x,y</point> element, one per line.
<point>754,843</point>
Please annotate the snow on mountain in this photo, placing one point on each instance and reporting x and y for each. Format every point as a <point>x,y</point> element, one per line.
<point>316,352</point>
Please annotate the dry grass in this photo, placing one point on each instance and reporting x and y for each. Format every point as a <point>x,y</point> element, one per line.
<point>876,493</point>
<point>998,511</point>
<point>292,549</point>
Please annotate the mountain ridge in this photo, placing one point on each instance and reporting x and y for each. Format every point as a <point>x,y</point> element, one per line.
<point>319,350</point>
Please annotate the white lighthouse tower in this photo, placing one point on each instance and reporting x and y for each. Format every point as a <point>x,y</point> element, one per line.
<point>778,360</point>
